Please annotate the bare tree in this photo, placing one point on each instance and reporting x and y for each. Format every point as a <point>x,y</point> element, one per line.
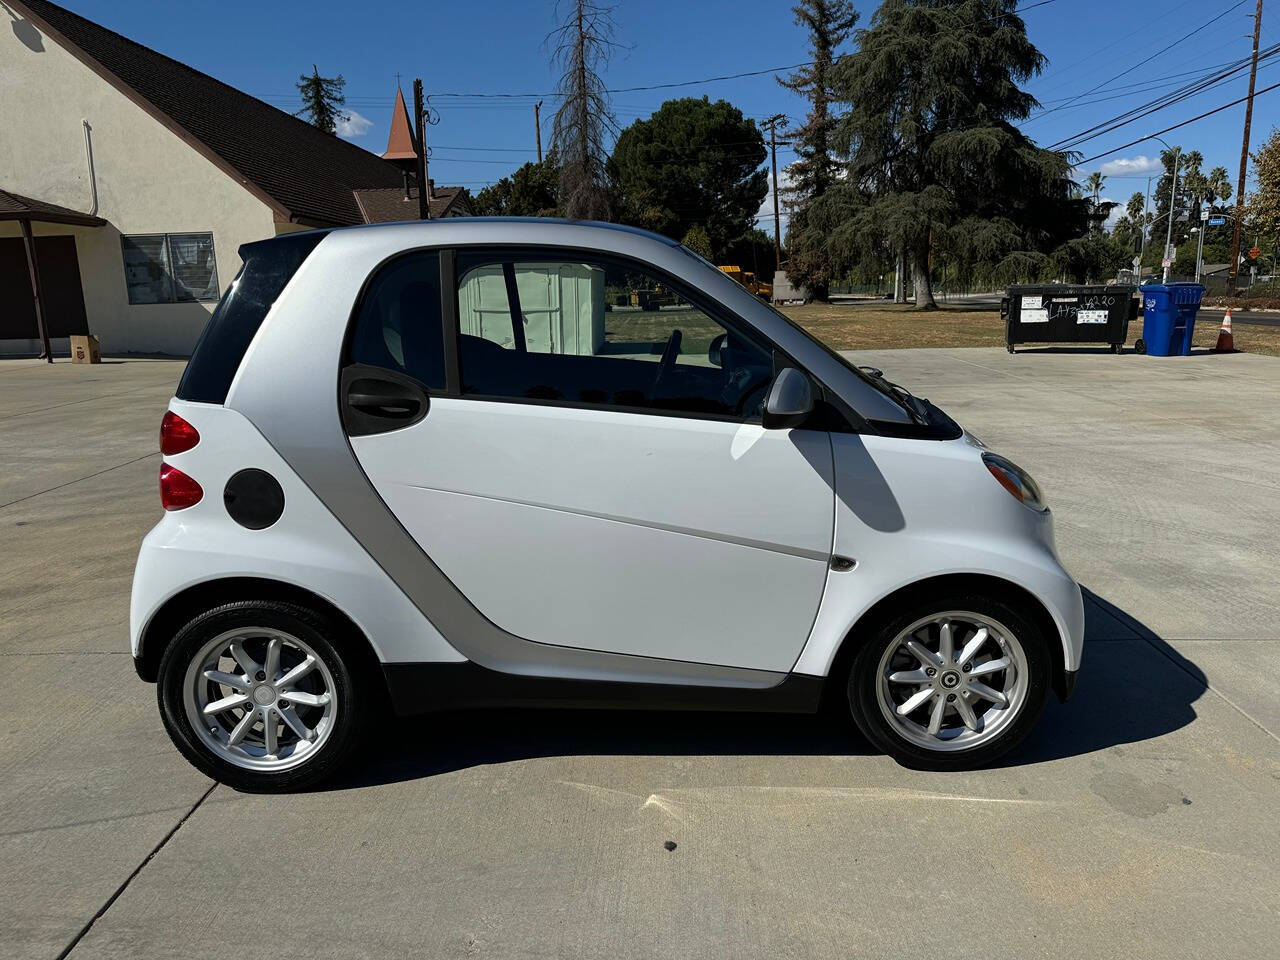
<point>582,45</point>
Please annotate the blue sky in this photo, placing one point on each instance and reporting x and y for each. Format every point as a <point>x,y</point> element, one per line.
<point>499,46</point>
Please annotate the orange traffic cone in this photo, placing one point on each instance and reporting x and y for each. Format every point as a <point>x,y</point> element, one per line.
<point>1225,344</point>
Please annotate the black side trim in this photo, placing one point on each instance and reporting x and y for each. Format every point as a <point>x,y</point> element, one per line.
<point>429,687</point>
<point>1065,684</point>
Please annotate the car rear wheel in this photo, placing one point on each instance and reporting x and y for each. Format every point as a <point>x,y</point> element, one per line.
<point>952,684</point>
<point>257,695</point>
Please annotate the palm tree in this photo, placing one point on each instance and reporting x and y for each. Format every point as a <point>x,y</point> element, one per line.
<point>1093,185</point>
<point>1219,185</point>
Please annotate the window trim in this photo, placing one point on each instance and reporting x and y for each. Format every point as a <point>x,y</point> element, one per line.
<point>173,281</point>
<point>714,309</point>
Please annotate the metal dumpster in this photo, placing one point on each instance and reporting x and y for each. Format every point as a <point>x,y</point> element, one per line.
<point>1057,313</point>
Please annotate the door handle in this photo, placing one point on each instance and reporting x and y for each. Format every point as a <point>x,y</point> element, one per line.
<point>377,400</point>
<point>400,407</point>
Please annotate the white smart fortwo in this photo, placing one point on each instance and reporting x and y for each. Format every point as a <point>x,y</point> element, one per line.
<point>487,462</point>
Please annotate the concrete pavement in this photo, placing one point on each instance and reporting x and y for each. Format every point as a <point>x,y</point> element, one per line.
<point>1142,819</point>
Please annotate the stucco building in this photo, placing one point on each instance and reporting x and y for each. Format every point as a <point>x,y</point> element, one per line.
<point>129,180</point>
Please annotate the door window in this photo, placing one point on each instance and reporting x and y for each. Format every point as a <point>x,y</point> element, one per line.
<point>600,333</point>
<point>398,323</point>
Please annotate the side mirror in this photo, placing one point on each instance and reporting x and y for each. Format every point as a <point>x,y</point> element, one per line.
<point>713,352</point>
<point>790,400</point>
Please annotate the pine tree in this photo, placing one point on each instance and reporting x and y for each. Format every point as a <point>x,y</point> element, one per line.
<point>936,160</point>
<point>828,24</point>
<point>583,43</point>
<point>322,99</point>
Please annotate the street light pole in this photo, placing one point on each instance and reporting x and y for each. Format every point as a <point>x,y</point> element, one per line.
<point>1142,228</point>
<point>1204,216</point>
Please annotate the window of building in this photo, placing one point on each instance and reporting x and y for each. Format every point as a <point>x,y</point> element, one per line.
<point>170,267</point>
<point>600,333</point>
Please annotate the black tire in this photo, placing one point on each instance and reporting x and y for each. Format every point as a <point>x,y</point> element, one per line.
<point>1009,347</point>
<point>863,679</point>
<point>353,694</point>
<point>1140,346</point>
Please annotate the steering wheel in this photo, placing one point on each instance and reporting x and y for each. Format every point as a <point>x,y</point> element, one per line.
<point>757,384</point>
<point>669,354</point>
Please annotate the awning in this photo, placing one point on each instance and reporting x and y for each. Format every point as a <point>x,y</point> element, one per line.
<point>26,211</point>
<point>15,207</point>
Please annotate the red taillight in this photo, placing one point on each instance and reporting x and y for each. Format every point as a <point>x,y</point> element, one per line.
<point>177,490</point>
<point>176,435</point>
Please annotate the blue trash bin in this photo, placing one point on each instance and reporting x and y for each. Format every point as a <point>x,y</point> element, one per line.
<point>1169,317</point>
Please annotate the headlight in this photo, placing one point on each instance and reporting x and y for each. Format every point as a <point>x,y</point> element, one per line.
<point>1016,480</point>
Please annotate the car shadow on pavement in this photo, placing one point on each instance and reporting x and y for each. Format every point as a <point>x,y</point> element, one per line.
<point>1133,687</point>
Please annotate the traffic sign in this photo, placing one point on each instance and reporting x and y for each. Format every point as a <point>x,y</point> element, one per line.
<point>1254,253</point>
<point>1166,263</point>
<point>1217,221</point>
<point>1204,214</point>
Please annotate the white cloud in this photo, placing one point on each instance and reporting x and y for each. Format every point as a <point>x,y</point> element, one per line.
<point>353,125</point>
<point>1131,166</point>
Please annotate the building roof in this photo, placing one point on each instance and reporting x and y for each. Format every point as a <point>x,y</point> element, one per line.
<point>302,173</point>
<point>384,204</point>
<point>400,144</point>
<point>16,207</point>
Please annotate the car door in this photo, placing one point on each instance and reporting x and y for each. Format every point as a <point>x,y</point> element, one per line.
<point>597,477</point>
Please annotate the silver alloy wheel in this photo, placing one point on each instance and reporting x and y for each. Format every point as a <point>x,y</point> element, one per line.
<point>952,681</point>
<point>260,698</point>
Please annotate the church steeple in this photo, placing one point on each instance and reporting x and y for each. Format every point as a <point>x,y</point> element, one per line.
<point>400,142</point>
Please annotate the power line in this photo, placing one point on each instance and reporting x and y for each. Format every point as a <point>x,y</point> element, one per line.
<point>1160,103</point>
<point>1142,63</point>
<point>357,100</point>
<point>1151,136</point>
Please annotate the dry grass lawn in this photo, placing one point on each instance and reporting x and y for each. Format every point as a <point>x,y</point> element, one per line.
<point>878,326</point>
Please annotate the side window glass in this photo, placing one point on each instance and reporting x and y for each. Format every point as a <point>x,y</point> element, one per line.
<point>398,323</point>
<point>599,333</point>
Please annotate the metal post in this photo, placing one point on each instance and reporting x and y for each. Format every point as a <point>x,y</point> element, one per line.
<point>1142,230</point>
<point>420,148</point>
<point>33,270</point>
<point>1173,194</point>
<point>1234,268</point>
<point>1200,251</point>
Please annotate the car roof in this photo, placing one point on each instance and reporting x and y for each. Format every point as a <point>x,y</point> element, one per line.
<point>464,226</point>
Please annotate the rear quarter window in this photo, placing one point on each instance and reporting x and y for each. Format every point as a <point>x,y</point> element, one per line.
<point>268,266</point>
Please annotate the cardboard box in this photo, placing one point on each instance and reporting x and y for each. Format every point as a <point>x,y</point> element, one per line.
<point>85,349</point>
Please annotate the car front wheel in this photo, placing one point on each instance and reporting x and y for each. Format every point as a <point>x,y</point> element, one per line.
<point>256,695</point>
<point>951,684</point>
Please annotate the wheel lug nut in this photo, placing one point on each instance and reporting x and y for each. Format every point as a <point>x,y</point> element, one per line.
<point>930,672</point>
<point>950,697</point>
<point>966,667</point>
<point>260,676</point>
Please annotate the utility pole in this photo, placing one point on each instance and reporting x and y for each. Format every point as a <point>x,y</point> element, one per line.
<point>1244,157</point>
<point>772,124</point>
<point>1168,233</point>
<point>537,127</point>
<point>420,148</point>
